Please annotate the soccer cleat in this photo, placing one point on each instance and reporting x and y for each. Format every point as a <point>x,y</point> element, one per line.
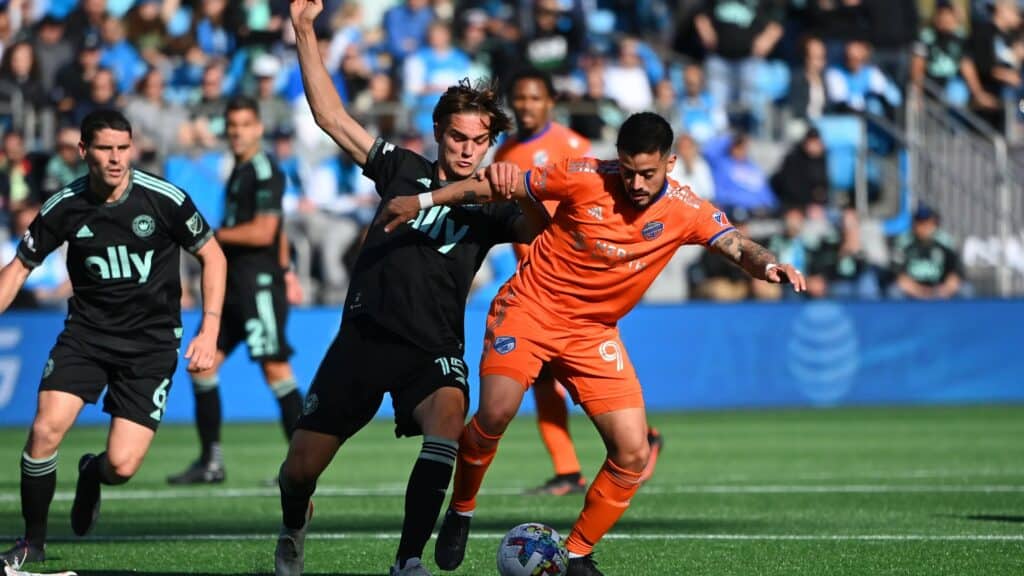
<point>86,508</point>
<point>583,566</point>
<point>22,553</point>
<point>561,485</point>
<point>200,472</point>
<point>450,547</point>
<point>655,440</point>
<point>289,556</point>
<point>413,567</point>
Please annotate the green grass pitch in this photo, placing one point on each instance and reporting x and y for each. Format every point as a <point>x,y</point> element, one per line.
<point>831,492</point>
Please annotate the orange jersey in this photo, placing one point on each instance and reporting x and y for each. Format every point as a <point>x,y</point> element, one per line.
<point>600,253</point>
<point>551,145</point>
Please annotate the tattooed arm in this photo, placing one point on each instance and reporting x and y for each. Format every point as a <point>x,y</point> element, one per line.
<point>758,261</point>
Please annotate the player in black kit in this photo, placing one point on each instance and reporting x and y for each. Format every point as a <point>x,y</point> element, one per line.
<point>402,329</point>
<point>124,230</point>
<point>256,306</point>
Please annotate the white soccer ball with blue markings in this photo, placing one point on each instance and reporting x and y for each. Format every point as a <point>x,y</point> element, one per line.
<point>532,549</point>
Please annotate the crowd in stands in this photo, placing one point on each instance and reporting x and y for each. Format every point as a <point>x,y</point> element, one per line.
<point>721,71</point>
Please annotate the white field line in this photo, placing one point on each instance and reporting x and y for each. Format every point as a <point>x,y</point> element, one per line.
<point>395,491</point>
<point>313,535</point>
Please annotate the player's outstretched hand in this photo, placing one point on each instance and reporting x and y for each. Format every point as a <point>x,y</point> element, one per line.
<point>201,352</point>
<point>503,178</point>
<point>304,12</point>
<point>787,274</point>
<point>397,210</point>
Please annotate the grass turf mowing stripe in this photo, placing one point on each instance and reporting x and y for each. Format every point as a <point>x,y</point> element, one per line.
<point>613,536</point>
<point>395,491</point>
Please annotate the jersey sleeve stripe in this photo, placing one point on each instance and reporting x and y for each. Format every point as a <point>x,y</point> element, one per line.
<point>261,164</point>
<point>200,242</point>
<point>161,187</point>
<point>719,235</point>
<point>28,262</point>
<point>74,188</point>
<point>529,190</point>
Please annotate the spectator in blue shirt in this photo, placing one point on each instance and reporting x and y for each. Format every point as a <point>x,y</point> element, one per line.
<point>429,72</point>
<point>118,54</point>
<point>405,28</point>
<point>699,113</point>
<point>739,182</point>
<point>859,85</point>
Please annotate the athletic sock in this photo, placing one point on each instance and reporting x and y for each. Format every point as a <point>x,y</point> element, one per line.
<point>424,495</point>
<point>289,400</point>
<point>294,501</point>
<point>476,451</point>
<point>208,417</point>
<point>38,482</point>
<point>553,424</point>
<point>606,501</point>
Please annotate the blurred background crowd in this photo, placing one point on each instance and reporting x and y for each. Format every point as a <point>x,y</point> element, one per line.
<point>792,115</point>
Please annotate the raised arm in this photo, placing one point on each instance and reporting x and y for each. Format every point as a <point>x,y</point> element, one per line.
<point>758,261</point>
<point>328,110</point>
<point>12,278</point>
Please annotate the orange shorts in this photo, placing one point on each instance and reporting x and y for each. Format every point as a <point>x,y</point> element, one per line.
<point>589,360</point>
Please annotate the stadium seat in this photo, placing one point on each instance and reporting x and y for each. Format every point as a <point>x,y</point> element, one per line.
<point>843,137</point>
<point>200,176</point>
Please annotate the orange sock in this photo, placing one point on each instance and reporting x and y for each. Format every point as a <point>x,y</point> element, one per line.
<point>553,422</point>
<point>606,501</point>
<point>476,451</point>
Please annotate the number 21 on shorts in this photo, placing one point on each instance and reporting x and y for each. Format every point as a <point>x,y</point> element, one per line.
<point>610,351</point>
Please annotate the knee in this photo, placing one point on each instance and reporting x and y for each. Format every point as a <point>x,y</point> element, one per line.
<point>633,458</point>
<point>44,438</point>
<point>124,466</point>
<point>493,420</point>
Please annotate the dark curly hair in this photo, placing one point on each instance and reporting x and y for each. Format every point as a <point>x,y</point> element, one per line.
<point>464,98</point>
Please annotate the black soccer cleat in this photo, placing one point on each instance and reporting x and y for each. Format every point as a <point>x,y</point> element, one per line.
<point>583,566</point>
<point>86,508</point>
<point>450,548</point>
<point>22,553</point>
<point>200,472</point>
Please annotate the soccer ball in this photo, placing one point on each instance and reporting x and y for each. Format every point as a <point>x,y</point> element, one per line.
<point>532,549</point>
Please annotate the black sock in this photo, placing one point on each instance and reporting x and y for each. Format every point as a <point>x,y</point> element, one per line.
<point>38,482</point>
<point>289,399</point>
<point>425,494</point>
<point>208,416</point>
<point>294,501</point>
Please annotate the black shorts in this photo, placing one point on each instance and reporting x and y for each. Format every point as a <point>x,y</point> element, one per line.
<point>365,361</point>
<point>137,383</point>
<point>255,312</point>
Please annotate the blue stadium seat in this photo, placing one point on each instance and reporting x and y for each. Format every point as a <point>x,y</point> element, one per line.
<point>843,137</point>
<point>773,80</point>
<point>200,176</point>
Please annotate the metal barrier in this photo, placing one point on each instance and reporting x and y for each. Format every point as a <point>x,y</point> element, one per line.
<point>962,167</point>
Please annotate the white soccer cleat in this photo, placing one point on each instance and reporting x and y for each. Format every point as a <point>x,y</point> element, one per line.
<point>413,567</point>
<point>9,571</point>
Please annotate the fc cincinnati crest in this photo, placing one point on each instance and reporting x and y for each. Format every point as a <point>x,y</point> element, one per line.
<point>143,226</point>
<point>504,344</point>
<point>652,230</point>
<point>720,219</point>
<point>540,157</point>
<point>195,224</point>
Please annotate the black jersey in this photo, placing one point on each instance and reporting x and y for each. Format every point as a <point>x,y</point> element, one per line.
<point>255,187</point>
<point>123,259</point>
<point>414,280</point>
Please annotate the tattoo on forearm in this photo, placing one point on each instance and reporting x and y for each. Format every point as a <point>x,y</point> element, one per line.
<point>745,253</point>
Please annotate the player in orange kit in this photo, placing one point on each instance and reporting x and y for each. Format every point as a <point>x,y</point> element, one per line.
<point>617,226</point>
<point>538,141</point>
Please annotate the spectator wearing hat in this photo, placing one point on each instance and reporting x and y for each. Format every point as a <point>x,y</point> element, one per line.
<point>925,265</point>
<point>74,81</point>
<point>275,113</point>
<point>66,164</point>
<point>53,51</point>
